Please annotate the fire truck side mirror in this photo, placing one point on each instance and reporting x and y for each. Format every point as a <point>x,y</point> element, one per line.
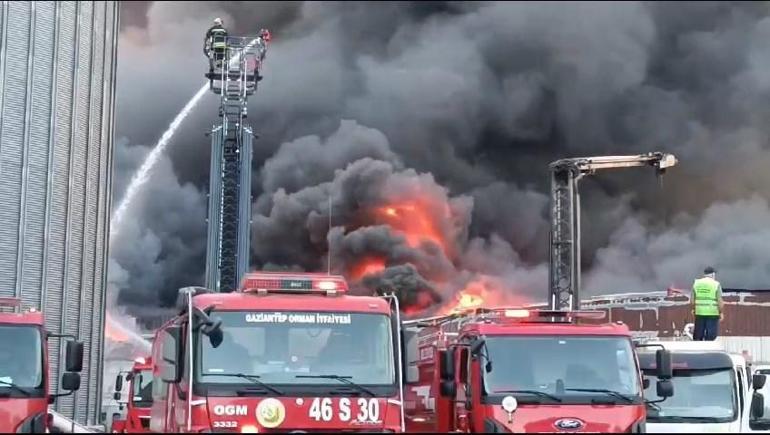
<point>448,389</point>
<point>447,362</point>
<point>70,381</point>
<point>758,381</point>
<point>216,336</point>
<point>757,406</point>
<point>130,377</point>
<point>74,356</point>
<point>665,388</point>
<point>476,346</point>
<point>118,383</point>
<point>170,370</point>
<point>663,363</point>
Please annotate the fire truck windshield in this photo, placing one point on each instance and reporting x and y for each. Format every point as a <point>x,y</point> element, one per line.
<point>294,349</point>
<point>21,361</point>
<point>572,369</point>
<point>143,389</point>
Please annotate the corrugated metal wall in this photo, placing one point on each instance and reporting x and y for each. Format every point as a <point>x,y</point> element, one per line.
<point>57,83</point>
<point>745,326</point>
<point>746,312</point>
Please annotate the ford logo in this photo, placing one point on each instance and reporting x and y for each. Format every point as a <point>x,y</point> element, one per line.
<point>568,424</point>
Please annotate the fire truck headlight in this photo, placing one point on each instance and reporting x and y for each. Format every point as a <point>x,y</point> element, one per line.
<point>510,404</point>
<point>249,429</point>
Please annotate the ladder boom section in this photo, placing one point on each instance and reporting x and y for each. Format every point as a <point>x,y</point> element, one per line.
<point>234,79</point>
<point>588,165</point>
<point>564,271</point>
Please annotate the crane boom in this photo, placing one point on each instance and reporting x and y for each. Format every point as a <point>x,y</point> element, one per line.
<point>564,271</point>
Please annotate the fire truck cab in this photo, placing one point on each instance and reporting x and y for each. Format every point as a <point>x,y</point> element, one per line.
<point>287,352</point>
<point>514,370</point>
<point>137,417</point>
<point>24,371</point>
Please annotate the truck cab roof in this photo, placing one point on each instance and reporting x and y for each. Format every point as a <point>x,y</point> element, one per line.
<point>607,329</point>
<point>27,318</point>
<point>689,346</point>
<point>11,313</point>
<point>693,355</point>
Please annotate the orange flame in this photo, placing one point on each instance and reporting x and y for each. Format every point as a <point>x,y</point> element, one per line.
<point>415,222</point>
<point>369,266</point>
<point>423,218</point>
<point>482,292</point>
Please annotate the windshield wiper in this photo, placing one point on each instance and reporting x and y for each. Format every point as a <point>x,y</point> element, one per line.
<point>252,378</point>
<point>533,392</point>
<point>343,379</point>
<point>15,387</point>
<point>601,390</point>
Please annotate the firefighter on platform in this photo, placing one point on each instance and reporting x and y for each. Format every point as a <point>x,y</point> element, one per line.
<point>707,306</point>
<point>214,44</point>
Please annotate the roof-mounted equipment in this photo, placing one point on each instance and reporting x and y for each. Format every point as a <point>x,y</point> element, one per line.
<point>270,282</point>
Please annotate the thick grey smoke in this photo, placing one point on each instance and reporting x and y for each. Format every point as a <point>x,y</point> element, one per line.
<point>732,236</point>
<point>162,240</point>
<point>481,96</point>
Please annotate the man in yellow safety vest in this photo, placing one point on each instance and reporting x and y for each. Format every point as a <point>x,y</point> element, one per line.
<point>707,306</point>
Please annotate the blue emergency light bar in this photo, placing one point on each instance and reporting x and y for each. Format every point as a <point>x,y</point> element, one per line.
<point>267,282</point>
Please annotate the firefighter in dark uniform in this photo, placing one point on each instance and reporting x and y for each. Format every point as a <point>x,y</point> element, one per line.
<point>214,45</point>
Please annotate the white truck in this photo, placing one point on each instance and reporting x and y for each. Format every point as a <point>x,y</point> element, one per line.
<point>712,390</point>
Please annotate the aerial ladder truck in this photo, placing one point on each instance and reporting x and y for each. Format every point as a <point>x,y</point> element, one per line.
<point>234,78</point>
<point>564,271</point>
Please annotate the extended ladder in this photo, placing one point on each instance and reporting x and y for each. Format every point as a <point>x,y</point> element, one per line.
<point>235,78</point>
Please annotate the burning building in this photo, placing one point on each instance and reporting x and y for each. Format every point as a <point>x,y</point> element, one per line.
<point>57,72</point>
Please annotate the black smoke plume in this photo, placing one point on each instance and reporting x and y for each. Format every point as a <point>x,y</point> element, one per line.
<point>479,97</point>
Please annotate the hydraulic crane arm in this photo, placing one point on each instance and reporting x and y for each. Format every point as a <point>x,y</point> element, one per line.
<point>564,285</point>
<point>589,165</point>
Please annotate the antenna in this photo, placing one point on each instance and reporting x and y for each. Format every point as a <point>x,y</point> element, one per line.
<point>328,237</point>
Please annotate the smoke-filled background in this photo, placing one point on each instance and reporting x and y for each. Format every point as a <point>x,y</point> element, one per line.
<point>430,126</point>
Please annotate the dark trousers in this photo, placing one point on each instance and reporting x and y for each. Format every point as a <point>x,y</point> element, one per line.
<point>706,328</point>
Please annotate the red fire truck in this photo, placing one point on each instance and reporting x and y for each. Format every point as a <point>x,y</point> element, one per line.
<point>24,371</point>
<point>287,352</point>
<point>137,418</point>
<point>514,370</point>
